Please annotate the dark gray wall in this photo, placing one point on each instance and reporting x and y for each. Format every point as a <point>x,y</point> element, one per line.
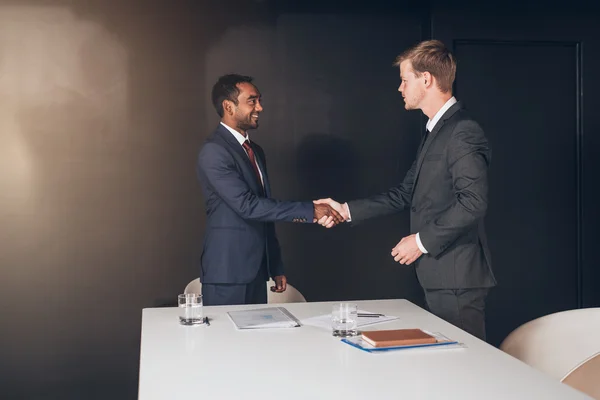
<point>104,105</point>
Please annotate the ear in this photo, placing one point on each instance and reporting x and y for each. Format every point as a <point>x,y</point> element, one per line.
<point>228,107</point>
<point>428,79</point>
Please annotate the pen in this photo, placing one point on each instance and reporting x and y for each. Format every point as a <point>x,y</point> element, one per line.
<point>371,315</point>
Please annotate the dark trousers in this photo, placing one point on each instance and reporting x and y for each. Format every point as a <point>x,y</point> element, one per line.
<point>223,294</point>
<point>464,308</point>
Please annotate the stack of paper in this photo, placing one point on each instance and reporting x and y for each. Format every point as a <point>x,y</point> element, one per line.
<point>270,317</point>
<point>324,321</point>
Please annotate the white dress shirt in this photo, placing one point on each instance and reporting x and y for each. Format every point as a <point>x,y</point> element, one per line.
<point>241,139</point>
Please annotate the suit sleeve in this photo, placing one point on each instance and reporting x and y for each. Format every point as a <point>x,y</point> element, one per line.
<point>275,259</point>
<point>468,159</point>
<point>276,267</point>
<point>221,172</point>
<point>394,200</point>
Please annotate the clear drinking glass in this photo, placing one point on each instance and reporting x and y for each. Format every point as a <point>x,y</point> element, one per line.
<point>344,319</point>
<point>190,308</point>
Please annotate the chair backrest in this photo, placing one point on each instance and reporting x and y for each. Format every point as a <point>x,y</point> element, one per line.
<point>291,294</point>
<point>556,343</point>
<point>586,377</point>
<point>193,287</point>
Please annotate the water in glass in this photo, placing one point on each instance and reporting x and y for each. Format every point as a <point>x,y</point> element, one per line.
<point>344,319</point>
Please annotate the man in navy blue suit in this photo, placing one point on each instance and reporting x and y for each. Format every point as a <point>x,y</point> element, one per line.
<point>241,250</point>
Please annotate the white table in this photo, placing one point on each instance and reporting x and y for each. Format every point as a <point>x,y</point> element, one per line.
<point>220,362</point>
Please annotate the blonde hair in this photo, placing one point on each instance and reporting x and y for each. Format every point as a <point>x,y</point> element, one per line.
<point>431,56</point>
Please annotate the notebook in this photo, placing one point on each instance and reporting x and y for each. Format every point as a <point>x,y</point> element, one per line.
<point>397,337</point>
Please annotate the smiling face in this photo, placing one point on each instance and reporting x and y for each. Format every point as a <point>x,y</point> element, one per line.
<point>244,115</point>
<point>412,87</point>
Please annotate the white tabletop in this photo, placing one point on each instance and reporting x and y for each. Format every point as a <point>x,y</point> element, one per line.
<point>221,362</point>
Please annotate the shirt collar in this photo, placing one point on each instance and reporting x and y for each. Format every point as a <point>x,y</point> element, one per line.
<point>432,122</point>
<point>238,136</point>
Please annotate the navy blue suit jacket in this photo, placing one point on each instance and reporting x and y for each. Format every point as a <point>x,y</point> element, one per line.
<point>239,219</point>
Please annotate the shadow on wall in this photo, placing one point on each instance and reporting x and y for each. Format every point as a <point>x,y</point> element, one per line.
<point>327,165</point>
<point>345,262</point>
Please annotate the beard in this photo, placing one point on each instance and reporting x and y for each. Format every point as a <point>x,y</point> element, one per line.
<point>413,102</point>
<point>246,123</point>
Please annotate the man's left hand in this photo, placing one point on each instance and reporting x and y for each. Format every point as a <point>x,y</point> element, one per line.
<point>280,284</point>
<point>407,251</point>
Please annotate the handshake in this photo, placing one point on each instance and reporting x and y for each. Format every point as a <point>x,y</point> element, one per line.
<point>329,213</point>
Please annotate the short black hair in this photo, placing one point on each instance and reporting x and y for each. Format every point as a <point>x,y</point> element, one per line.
<point>226,89</point>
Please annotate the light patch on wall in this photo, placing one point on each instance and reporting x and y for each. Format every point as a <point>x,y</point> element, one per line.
<point>50,59</point>
<point>15,163</point>
<point>64,112</point>
<point>63,106</point>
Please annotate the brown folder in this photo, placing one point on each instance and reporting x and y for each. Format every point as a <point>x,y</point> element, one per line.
<point>397,337</point>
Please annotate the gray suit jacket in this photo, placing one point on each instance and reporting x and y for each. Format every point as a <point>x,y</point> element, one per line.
<point>446,190</point>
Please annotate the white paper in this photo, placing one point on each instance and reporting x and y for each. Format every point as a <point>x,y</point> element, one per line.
<point>270,317</point>
<point>324,321</point>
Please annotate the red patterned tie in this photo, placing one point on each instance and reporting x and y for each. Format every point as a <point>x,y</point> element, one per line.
<point>246,146</point>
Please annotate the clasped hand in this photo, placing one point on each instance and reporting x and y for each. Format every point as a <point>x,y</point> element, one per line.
<point>329,213</point>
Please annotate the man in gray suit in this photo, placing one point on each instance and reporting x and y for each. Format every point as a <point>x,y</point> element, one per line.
<point>446,190</point>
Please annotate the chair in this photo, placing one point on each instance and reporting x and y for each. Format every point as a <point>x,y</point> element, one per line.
<point>586,377</point>
<point>556,343</point>
<point>291,294</point>
<point>193,287</point>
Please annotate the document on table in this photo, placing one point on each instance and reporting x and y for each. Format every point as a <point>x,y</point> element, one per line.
<point>324,321</point>
<point>270,317</point>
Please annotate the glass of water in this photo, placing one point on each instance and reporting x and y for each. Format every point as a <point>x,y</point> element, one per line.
<point>190,308</point>
<point>344,319</point>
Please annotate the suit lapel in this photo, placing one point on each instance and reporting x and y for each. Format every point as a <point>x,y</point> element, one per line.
<point>431,137</point>
<point>258,154</point>
<point>242,157</point>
